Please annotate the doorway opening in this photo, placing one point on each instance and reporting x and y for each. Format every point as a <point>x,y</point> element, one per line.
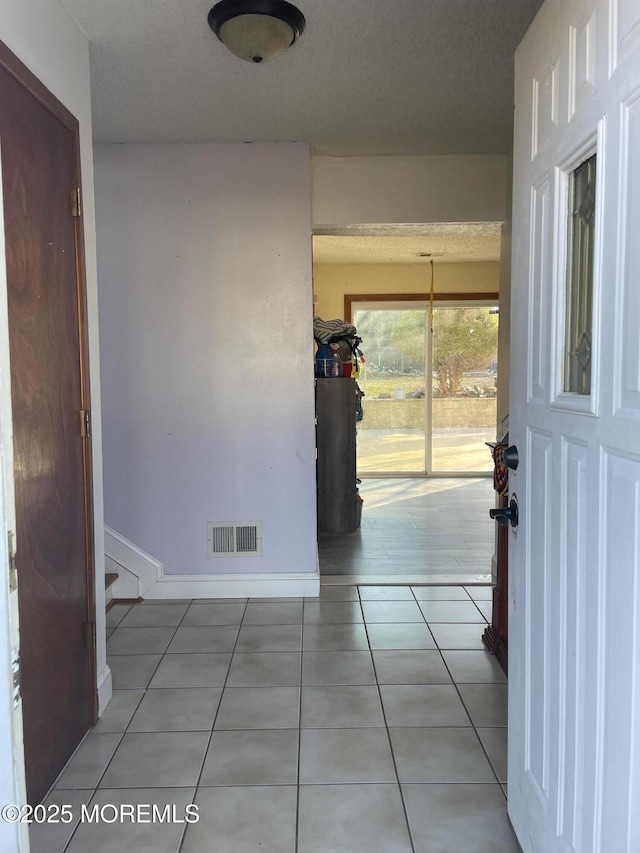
<point>424,519</point>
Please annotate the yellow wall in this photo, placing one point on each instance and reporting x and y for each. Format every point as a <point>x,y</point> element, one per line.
<point>332,281</point>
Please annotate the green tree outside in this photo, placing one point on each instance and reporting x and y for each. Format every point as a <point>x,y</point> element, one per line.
<point>465,339</point>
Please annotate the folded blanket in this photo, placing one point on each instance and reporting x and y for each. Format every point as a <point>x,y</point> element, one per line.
<point>327,330</point>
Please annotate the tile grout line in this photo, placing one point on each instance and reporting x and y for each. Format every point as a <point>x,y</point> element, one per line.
<point>305,602</point>
<point>473,725</point>
<point>455,684</point>
<point>297,835</point>
<point>213,723</point>
<point>113,627</point>
<point>124,732</point>
<point>386,726</point>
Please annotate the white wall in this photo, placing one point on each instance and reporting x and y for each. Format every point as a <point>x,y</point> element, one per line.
<point>204,259</point>
<point>356,190</point>
<point>44,37</point>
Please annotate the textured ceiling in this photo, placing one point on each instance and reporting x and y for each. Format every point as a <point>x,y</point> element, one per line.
<point>366,77</point>
<point>381,244</point>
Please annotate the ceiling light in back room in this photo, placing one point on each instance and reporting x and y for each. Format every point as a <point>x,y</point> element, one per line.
<point>256,30</point>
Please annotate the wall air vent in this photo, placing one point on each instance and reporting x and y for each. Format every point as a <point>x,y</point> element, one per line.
<point>234,539</point>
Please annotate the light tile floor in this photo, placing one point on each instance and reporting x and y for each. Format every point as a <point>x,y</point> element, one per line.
<point>370,719</point>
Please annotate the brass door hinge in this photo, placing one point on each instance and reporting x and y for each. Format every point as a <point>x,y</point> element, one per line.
<point>13,572</point>
<point>76,201</point>
<point>91,635</point>
<point>85,423</point>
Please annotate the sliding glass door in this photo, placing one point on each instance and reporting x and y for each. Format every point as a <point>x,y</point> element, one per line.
<point>464,361</point>
<point>392,434</point>
<point>411,426</point>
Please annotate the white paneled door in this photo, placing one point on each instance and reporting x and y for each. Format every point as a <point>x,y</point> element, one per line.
<point>574,637</point>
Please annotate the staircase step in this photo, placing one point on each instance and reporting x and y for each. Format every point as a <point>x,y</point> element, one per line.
<point>110,578</point>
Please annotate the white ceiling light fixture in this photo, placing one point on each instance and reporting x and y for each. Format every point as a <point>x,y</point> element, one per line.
<point>256,30</point>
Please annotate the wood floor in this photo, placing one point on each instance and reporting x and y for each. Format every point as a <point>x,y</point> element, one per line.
<point>415,531</point>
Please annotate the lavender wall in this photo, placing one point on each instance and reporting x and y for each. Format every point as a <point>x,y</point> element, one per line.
<point>204,275</point>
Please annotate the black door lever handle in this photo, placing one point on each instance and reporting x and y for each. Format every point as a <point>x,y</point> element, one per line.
<point>506,515</point>
<point>510,457</point>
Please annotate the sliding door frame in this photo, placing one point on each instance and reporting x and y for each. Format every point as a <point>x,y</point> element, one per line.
<point>352,302</point>
<point>352,298</point>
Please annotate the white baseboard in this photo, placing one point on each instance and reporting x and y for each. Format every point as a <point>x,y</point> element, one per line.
<point>105,689</point>
<point>423,579</point>
<point>280,585</point>
<point>142,576</point>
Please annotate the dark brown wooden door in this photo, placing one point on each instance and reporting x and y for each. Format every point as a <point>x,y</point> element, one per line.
<point>46,337</point>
